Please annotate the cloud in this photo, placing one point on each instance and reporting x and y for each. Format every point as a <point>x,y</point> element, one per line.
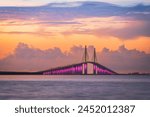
<point>84,9</point>
<point>125,60</point>
<point>39,33</point>
<point>130,32</point>
<point>144,13</point>
<point>115,26</point>
<point>97,18</point>
<point>23,23</point>
<point>121,27</point>
<point>106,26</point>
<point>65,4</point>
<point>26,58</point>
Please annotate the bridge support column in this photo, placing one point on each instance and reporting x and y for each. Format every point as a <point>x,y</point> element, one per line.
<point>79,69</point>
<point>85,68</point>
<point>94,69</point>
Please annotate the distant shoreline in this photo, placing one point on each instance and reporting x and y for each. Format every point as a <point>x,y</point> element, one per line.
<point>38,73</point>
<point>19,73</point>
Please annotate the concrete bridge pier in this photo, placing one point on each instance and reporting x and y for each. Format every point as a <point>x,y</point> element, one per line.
<point>85,68</point>
<point>94,69</point>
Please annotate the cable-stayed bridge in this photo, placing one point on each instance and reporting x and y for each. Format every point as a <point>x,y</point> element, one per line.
<point>81,68</point>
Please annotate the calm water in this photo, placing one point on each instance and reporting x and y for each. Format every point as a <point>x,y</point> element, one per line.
<point>75,87</point>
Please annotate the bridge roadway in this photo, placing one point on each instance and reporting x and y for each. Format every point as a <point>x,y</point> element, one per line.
<point>79,69</point>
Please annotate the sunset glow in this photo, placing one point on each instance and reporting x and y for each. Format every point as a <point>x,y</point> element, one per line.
<point>45,29</point>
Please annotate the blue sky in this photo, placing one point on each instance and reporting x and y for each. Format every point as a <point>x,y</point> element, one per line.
<point>40,2</point>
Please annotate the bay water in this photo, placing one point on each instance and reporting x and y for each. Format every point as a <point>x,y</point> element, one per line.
<point>75,87</point>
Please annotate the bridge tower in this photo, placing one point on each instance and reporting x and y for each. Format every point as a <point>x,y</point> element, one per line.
<point>94,56</point>
<point>94,60</point>
<point>85,59</point>
<point>85,56</point>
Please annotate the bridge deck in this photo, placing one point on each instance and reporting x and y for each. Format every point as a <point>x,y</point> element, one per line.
<point>78,69</point>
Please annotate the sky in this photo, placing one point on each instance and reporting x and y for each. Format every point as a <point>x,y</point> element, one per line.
<point>42,2</point>
<point>42,37</point>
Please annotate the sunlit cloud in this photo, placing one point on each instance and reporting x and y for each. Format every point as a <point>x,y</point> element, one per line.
<point>113,26</point>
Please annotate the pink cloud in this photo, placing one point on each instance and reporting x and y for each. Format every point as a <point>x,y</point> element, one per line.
<point>26,58</point>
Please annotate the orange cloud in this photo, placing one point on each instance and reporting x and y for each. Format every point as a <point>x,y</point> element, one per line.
<point>66,33</point>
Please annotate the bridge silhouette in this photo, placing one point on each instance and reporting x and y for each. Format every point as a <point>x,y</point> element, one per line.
<point>81,68</point>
